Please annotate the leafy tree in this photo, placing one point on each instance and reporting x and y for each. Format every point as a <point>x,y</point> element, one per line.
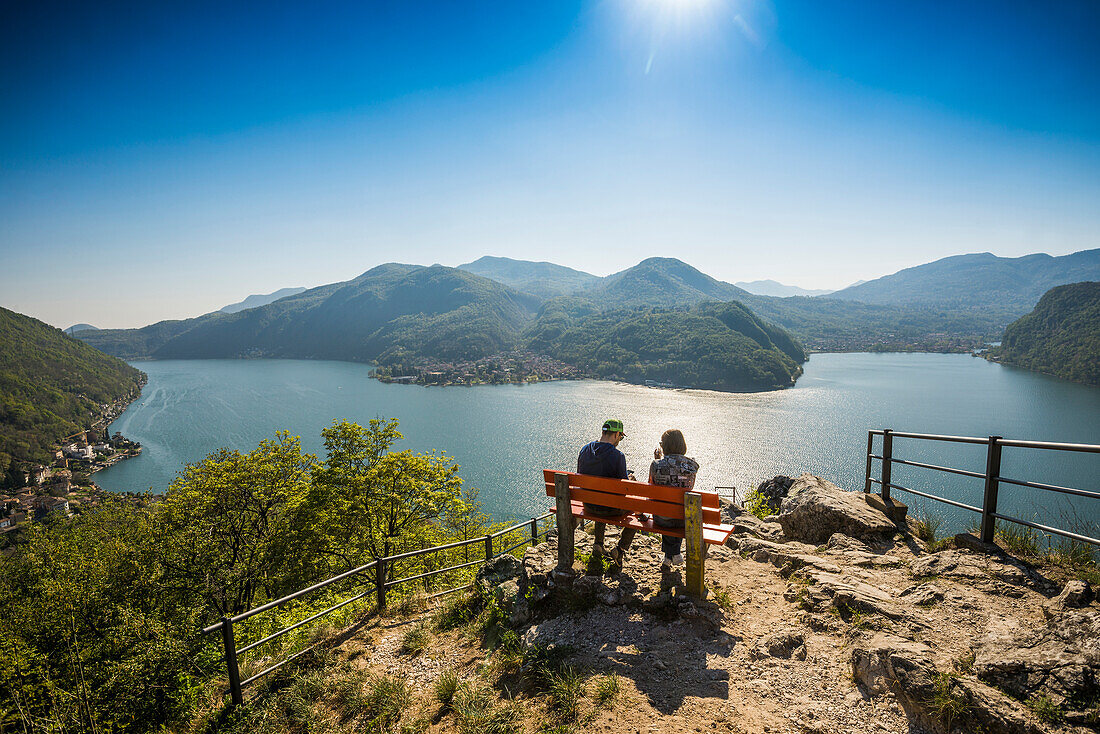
<point>226,522</point>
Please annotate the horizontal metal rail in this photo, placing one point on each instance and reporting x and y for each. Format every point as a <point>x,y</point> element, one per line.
<point>1051,488</point>
<point>448,591</point>
<point>932,436</point>
<point>1085,447</point>
<point>397,582</point>
<point>296,625</point>
<point>1046,529</point>
<point>435,549</point>
<point>291,597</point>
<point>922,465</point>
<point>524,542</point>
<point>930,496</point>
<point>275,667</point>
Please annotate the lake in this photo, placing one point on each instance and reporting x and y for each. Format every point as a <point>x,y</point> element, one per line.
<point>503,436</point>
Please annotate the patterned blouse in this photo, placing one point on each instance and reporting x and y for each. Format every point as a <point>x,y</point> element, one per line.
<point>674,470</point>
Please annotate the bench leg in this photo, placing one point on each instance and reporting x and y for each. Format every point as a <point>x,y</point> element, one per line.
<point>693,535</point>
<point>565,522</point>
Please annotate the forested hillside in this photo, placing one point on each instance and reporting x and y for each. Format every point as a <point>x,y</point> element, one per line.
<point>542,279</point>
<point>51,386</point>
<point>1060,337</point>
<point>720,346</point>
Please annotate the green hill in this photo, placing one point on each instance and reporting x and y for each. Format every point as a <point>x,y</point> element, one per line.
<point>720,346</point>
<point>51,386</point>
<point>1060,337</point>
<point>1006,286</point>
<point>385,314</point>
<point>542,279</point>
<point>662,281</point>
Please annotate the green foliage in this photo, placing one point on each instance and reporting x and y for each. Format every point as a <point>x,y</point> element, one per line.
<point>51,386</point>
<point>101,613</point>
<point>756,504</point>
<point>1045,708</point>
<point>1061,336</point>
<point>458,611</point>
<point>566,688</point>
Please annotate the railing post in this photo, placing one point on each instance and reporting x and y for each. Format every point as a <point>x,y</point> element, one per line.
<point>534,531</point>
<point>989,502</point>
<point>488,547</point>
<point>230,643</point>
<point>380,583</point>
<point>887,453</point>
<point>566,537</point>
<point>870,450</point>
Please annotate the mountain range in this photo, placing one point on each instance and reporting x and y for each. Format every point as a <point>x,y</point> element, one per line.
<point>409,314</point>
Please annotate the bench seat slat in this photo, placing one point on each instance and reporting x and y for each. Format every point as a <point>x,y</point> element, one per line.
<point>626,486</point>
<point>631,503</point>
<point>712,534</point>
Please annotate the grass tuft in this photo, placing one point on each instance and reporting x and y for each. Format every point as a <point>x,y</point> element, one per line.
<point>446,686</point>
<point>607,690</point>
<point>417,639</point>
<point>566,689</point>
<point>947,704</point>
<point>1045,708</point>
<point>477,712</point>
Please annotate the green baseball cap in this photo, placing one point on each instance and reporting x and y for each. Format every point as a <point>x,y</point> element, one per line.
<point>613,425</point>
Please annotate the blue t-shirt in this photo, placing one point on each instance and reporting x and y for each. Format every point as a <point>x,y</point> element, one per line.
<point>602,459</point>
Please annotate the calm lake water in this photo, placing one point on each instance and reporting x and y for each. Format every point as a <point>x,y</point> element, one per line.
<point>503,436</point>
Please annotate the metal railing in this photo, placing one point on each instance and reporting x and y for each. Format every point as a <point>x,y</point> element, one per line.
<point>381,568</point>
<point>991,477</point>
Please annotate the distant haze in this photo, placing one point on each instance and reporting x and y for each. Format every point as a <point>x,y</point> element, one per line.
<point>260,300</point>
<point>772,288</point>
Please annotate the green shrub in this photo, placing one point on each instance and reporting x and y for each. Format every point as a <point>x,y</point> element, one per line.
<point>757,505</point>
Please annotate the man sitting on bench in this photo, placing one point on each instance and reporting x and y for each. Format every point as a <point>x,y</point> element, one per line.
<point>603,459</point>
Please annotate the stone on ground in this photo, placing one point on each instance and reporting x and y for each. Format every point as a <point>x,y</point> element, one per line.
<point>815,509</point>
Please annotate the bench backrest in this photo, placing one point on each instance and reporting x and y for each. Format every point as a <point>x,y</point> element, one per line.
<point>624,494</point>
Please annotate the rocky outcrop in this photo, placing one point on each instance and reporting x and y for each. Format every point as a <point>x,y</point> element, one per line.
<point>1075,594</point>
<point>1060,660</point>
<point>743,522</point>
<point>941,702</point>
<point>997,574</point>
<point>815,509</point>
<point>774,490</point>
<point>784,645</point>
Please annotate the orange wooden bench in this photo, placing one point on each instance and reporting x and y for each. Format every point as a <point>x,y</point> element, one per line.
<point>699,510</point>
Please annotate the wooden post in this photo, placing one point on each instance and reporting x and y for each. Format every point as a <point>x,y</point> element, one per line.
<point>693,535</point>
<point>992,475</point>
<point>230,643</point>
<point>565,522</point>
<point>380,583</point>
<point>488,547</point>
<point>534,531</point>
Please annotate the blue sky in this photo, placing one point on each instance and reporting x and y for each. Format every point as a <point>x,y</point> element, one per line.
<point>159,160</point>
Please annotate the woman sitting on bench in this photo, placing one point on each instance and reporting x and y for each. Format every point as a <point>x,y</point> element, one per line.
<point>671,468</point>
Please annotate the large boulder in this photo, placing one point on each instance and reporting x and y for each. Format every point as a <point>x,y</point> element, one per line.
<point>815,509</point>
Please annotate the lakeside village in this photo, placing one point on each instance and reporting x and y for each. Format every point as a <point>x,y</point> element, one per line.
<point>64,488</point>
<point>513,367</point>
